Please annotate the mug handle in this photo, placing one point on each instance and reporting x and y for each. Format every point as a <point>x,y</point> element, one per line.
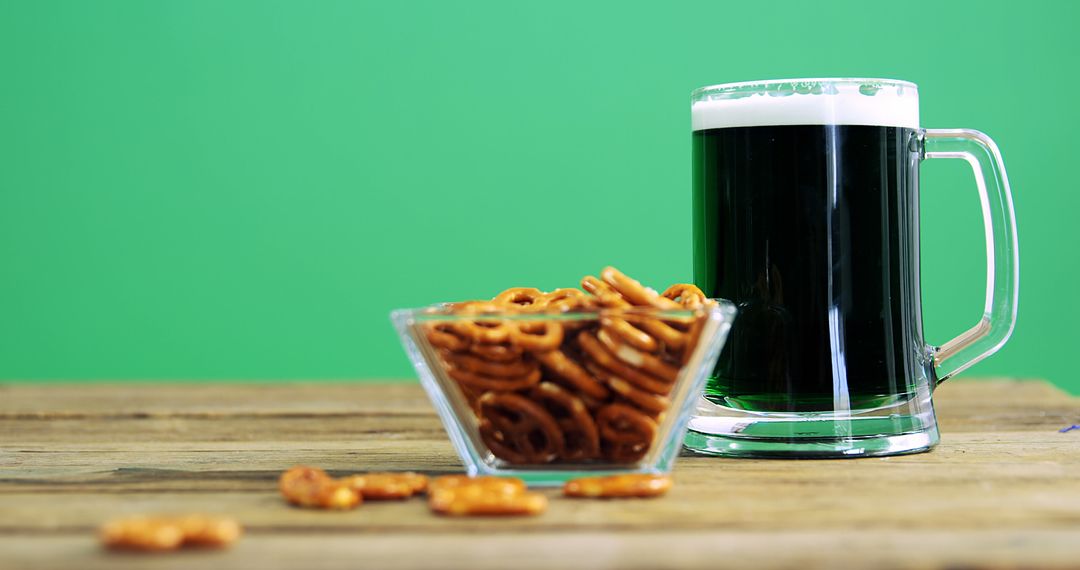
<point>1002,255</point>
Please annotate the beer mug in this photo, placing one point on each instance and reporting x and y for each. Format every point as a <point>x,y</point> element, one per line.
<point>806,216</point>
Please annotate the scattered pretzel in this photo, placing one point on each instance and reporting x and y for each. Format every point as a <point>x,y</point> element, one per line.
<point>386,486</point>
<point>618,486</point>
<point>311,487</point>
<point>484,496</point>
<point>507,485</point>
<point>568,388</point>
<point>169,533</point>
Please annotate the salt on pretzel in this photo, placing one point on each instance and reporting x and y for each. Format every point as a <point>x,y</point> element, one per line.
<point>525,426</point>
<point>573,374</point>
<point>580,436</point>
<point>639,360</point>
<point>630,334</point>
<point>633,291</point>
<point>602,357</point>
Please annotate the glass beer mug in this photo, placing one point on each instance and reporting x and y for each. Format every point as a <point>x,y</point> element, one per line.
<point>806,216</point>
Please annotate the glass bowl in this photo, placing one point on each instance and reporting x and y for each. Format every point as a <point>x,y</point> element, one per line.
<point>550,396</point>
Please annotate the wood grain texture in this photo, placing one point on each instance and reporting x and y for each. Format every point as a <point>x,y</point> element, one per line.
<point>1002,489</point>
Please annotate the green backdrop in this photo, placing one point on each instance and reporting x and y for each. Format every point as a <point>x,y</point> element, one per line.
<point>243,190</point>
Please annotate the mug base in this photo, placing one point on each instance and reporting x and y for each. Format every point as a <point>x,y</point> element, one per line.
<point>871,433</point>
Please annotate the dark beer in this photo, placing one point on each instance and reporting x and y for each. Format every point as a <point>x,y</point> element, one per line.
<point>812,230</point>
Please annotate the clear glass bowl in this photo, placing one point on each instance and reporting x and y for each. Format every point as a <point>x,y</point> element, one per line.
<point>549,396</point>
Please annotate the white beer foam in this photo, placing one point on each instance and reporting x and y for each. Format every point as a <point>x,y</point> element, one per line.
<point>842,102</point>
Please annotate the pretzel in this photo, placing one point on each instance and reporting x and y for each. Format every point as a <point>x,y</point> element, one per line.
<point>537,336</point>
<point>483,496</point>
<point>581,439</point>
<point>605,295</point>
<point>600,355</point>
<point>685,294</point>
<point>441,335</point>
<point>619,423</point>
<point>386,486</point>
<point>609,297</point>
<point>639,360</point>
<point>506,485</point>
<point>526,427</point>
<point>630,334</point>
<point>496,352</point>
<point>522,297</point>
<point>498,443</point>
<point>637,485</point>
<point>633,291</point>
<point>570,372</point>
<point>647,401</point>
<point>311,487</point>
<point>481,382</point>
<point>508,369</point>
<point>566,300</point>
<point>169,533</point>
<point>489,330</point>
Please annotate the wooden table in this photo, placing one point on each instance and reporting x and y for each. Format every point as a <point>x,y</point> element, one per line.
<point>1002,489</point>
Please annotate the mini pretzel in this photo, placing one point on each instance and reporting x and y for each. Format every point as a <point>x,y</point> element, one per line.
<point>637,359</point>
<point>569,371</point>
<point>581,439</point>
<point>647,401</point>
<point>566,300</point>
<point>386,486</point>
<point>605,295</point>
<point>523,297</point>
<point>526,426</point>
<point>633,291</point>
<point>311,487</point>
<point>505,485</point>
<point>168,533</point>
<point>489,330</point>
<point>441,335</point>
<point>496,352</point>
<point>481,497</point>
<point>536,336</point>
<point>635,485</point>
<point>611,298</point>
<point>476,381</point>
<point>619,423</point>
<point>686,295</point>
<point>605,359</point>
<point>630,334</point>
<point>498,443</point>
<point>497,369</point>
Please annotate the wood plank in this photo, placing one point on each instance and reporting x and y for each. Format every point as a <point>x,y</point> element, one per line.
<point>807,550</point>
<point>1001,489</point>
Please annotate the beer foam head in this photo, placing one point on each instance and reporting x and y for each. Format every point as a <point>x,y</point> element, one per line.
<point>874,102</point>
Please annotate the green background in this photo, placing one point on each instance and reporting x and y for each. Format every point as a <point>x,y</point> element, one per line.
<point>243,190</point>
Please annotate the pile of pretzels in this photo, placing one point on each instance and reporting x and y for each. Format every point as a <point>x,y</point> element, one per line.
<point>592,384</point>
